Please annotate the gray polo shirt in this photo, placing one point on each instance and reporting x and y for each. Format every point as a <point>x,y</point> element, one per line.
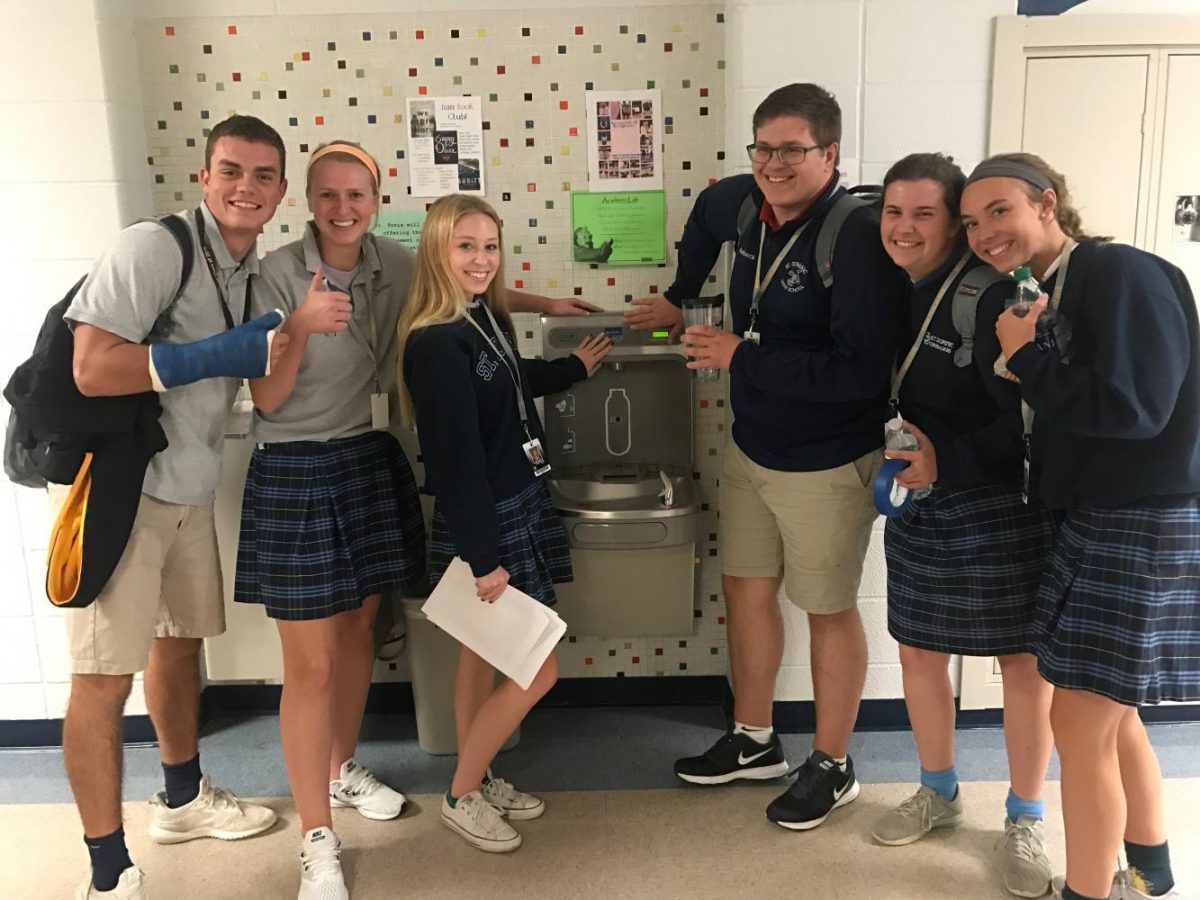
<point>339,372</point>
<point>129,293</point>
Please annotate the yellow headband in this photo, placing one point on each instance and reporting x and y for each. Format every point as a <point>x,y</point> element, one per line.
<point>357,152</point>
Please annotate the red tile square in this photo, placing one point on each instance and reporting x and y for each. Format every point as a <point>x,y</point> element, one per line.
<point>499,70</point>
<point>703,92</point>
<point>636,660</point>
<point>612,282</point>
<point>170,29</point>
<point>573,132</point>
<point>233,29</point>
<point>420,35</point>
<point>392,173</point>
<point>587,660</point>
<point>525,267</point>
<point>654,288</point>
<point>305,56</point>
<point>704,404</point>
<point>667,48</point>
<point>563,104</point>
<point>412,73</point>
<point>536,60</point>
<point>237,76</point>
<point>503,142</point>
<point>712,181</point>
<point>531,187</point>
<point>720,620</point>
<point>519,284</point>
<point>579,29</point>
<point>319,120</point>
<point>422,90</point>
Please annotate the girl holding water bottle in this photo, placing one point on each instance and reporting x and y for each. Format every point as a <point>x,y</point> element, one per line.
<point>964,561</point>
<point>1113,391</point>
<point>471,395</point>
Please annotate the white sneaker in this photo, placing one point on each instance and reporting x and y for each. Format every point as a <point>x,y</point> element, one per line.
<point>215,812</point>
<point>1026,868</point>
<point>321,866</point>
<point>1124,888</point>
<point>360,789</point>
<point>130,886</point>
<point>512,803</point>
<point>480,824</point>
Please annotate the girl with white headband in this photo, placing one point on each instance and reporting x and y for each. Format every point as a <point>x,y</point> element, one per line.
<point>1111,390</point>
<point>330,515</point>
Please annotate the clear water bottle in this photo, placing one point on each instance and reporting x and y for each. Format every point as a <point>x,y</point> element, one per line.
<point>897,437</point>
<point>1024,296</point>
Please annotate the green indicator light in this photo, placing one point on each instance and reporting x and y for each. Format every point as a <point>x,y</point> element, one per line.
<point>660,335</point>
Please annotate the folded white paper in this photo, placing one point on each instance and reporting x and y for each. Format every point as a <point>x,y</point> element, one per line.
<point>515,634</point>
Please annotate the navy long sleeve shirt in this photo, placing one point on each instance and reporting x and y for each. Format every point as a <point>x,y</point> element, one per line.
<point>812,395</point>
<point>470,428</point>
<point>1118,412</point>
<point>970,415</point>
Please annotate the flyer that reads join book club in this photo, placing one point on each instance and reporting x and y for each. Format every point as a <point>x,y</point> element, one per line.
<point>445,146</point>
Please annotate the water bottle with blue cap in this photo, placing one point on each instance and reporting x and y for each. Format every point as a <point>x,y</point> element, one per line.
<point>892,498</point>
<point>1026,294</point>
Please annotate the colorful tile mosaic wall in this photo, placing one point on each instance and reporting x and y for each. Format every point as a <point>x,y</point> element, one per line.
<point>317,78</point>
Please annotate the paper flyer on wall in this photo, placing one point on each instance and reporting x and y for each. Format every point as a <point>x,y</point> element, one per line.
<point>624,135</point>
<point>445,146</point>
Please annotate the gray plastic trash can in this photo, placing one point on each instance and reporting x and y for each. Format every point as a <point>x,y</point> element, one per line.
<point>432,659</point>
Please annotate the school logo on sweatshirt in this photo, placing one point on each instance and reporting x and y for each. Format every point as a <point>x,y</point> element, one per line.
<point>792,277</point>
<point>485,368</point>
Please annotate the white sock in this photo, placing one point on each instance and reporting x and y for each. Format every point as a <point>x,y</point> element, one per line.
<point>840,763</point>
<point>758,734</point>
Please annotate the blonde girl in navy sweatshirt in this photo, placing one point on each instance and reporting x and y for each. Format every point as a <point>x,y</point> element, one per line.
<point>471,396</point>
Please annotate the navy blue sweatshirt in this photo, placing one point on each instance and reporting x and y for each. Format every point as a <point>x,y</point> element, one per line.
<point>1118,418</point>
<point>971,416</point>
<point>470,428</point>
<point>813,394</point>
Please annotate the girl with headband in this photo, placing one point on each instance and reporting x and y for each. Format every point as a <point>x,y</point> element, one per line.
<point>330,514</point>
<point>1111,392</point>
<point>963,562</point>
<point>471,395</point>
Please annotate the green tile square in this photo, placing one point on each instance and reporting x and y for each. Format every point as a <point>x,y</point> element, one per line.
<point>173,69</point>
<point>650,84</point>
<point>492,98</point>
<point>720,64</point>
<point>458,79</point>
<point>624,29</point>
<point>549,204</point>
<point>516,248</point>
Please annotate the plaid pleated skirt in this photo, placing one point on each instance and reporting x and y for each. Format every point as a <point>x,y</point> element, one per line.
<point>964,566</point>
<point>533,543</point>
<point>326,524</point>
<point>1119,607</point>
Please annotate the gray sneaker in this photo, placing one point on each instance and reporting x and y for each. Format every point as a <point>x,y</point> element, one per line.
<point>1125,888</point>
<point>1026,867</point>
<point>917,816</point>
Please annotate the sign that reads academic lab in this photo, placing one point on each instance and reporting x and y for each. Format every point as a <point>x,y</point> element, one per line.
<point>619,229</point>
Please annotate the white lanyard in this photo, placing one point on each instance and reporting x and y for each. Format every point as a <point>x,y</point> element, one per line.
<point>1060,266</point>
<point>898,379</point>
<point>760,283</point>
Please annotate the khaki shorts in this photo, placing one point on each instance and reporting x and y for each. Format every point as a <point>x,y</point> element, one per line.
<point>810,527</point>
<point>167,584</point>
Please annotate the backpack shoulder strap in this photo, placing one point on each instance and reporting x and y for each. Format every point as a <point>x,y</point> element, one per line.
<point>966,301</point>
<point>827,234</point>
<point>183,237</point>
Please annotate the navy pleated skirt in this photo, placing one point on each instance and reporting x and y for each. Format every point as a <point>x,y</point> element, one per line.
<point>533,544</point>
<point>964,566</point>
<point>326,524</point>
<point>1119,608</point>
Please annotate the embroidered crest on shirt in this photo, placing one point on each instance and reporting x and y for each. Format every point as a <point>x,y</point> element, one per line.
<point>933,342</point>
<point>792,277</point>
<point>485,368</point>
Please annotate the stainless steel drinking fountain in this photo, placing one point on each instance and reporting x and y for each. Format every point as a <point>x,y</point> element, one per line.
<point>620,447</point>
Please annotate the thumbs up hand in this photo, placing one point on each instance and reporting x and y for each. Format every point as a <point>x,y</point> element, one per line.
<point>323,311</point>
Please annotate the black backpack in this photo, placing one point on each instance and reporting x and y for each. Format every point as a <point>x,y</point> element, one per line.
<point>966,296</point>
<point>35,454</point>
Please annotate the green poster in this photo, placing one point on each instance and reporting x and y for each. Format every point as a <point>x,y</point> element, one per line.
<point>404,227</point>
<point>619,229</point>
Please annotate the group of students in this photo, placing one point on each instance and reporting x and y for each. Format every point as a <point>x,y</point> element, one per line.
<point>1086,588</point>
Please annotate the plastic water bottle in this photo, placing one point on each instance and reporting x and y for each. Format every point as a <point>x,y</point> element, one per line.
<point>1027,292</point>
<point>897,437</point>
<point>1024,296</point>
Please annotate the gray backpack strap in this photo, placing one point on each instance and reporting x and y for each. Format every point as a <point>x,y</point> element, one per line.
<point>747,213</point>
<point>966,300</point>
<point>827,234</point>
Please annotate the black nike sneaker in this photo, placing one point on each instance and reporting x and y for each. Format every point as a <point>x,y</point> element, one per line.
<point>820,788</point>
<point>732,757</point>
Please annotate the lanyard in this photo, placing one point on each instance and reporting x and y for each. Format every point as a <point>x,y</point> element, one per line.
<point>760,283</point>
<point>898,378</point>
<point>507,356</point>
<point>211,260</point>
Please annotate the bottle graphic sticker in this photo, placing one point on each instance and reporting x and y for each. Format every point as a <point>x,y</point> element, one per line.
<point>618,435</point>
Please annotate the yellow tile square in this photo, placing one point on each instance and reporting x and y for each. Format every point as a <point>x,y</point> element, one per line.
<point>387,90</point>
<point>566,151</point>
<point>262,76</point>
<point>482,32</point>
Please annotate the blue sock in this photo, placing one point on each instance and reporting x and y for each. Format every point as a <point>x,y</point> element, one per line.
<point>944,782</point>
<point>110,858</point>
<point>1016,807</point>
<point>183,782</point>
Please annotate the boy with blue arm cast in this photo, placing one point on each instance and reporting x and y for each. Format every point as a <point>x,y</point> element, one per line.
<point>138,329</point>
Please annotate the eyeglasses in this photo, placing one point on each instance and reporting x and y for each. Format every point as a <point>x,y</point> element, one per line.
<point>790,155</point>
